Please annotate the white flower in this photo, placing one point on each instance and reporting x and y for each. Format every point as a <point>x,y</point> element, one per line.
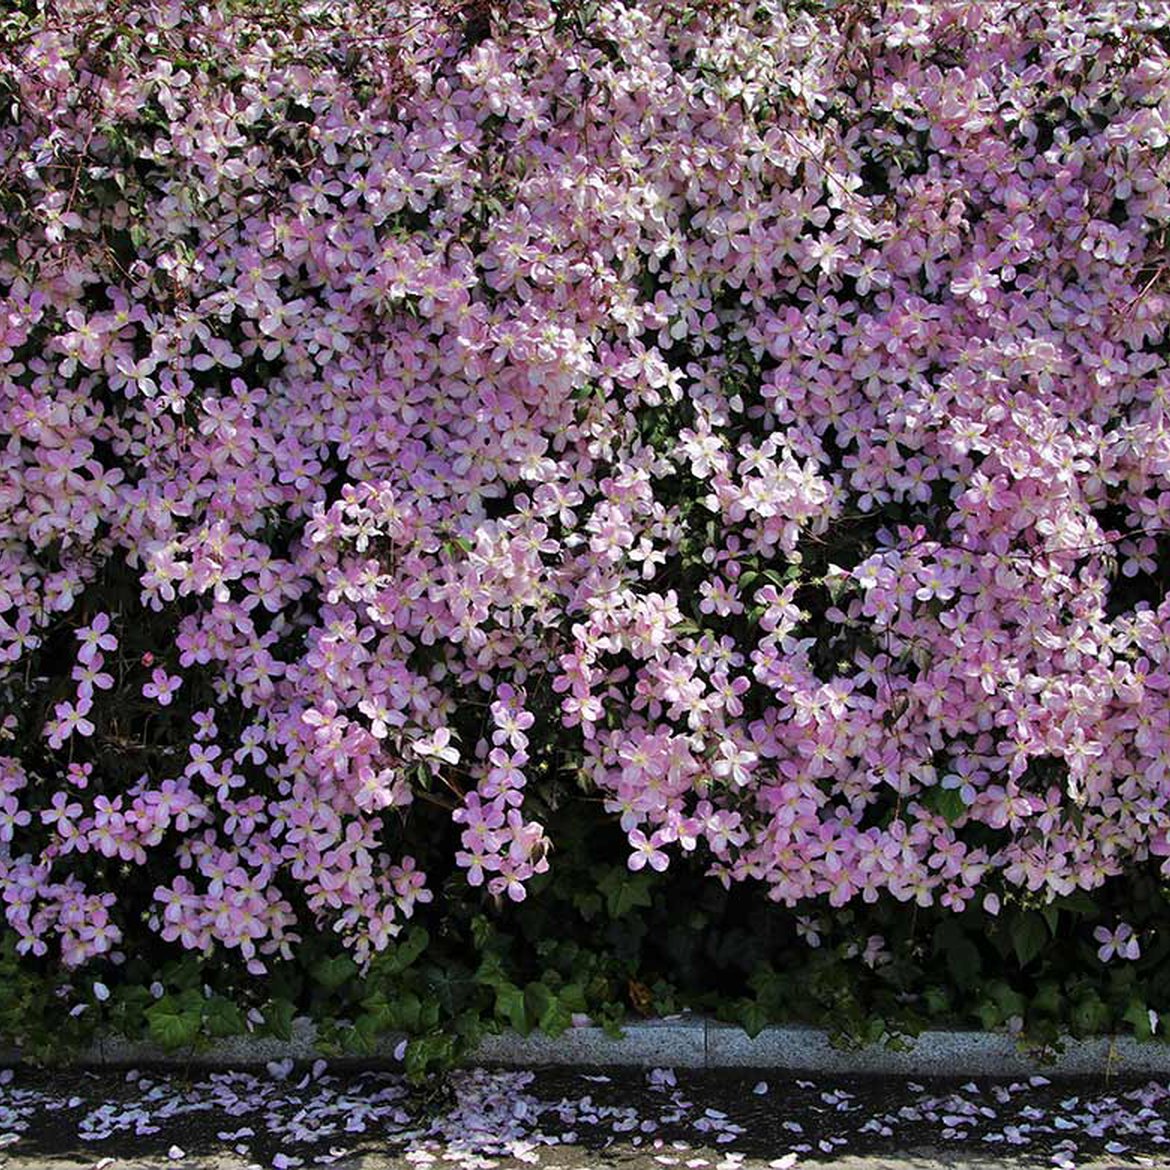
<point>437,747</point>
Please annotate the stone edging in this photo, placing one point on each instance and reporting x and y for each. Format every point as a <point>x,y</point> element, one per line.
<point>694,1042</point>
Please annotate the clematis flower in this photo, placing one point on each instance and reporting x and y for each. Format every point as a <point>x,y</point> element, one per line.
<point>162,686</point>
<point>70,718</point>
<point>95,638</point>
<point>797,465</point>
<point>436,746</point>
<point>1120,942</point>
<point>647,851</point>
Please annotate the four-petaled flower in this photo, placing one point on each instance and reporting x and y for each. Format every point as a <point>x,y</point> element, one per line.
<point>70,718</point>
<point>1120,942</point>
<point>95,637</point>
<point>647,851</point>
<point>437,746</point>
<point>162,686</point>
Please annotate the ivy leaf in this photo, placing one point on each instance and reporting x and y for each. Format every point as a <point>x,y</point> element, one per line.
<point>363,1036</point>
<point>1047,999</point>
<point>962,955</point>
<point>947,802</point>
<point>936,1001</point>
<point>482,931</point>
<point>491,972</point>
<point>1137,1015</point>
<point>406,1011</point>
<point>510,1007</point>
<point>402,955</point>
<point>1080,902</point>
<point>612,1027</point>
<point>588,904</point>
<point>537,999</point>
<point>170,1026</point>
<point>185,973</point>
<point>451,988</point>
<point>1089,1016</point>
<point>752,1017</point>
<point>572,995</point>
<point>552,1013</point>
<point>278,1018</point>
<point>556,1017</point>
<point>424,1052</point>
<point>335,972</point>
<point>468,1026</point>
<point>222,1018</point>
<point>1010,1001</point>
<point>990,1016</point>
<point>624,891</point>
<point>1051,916</point>
<point>1029,935</point>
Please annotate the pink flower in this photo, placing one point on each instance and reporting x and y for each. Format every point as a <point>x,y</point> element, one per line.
<point>162,686</point>
<point>734,764</point>
<point>646,850</point>
<point>1120,941</point>
<point>95,637</point>
<point>89,674</point>
<point>70,718</point>
<point>437,746</point>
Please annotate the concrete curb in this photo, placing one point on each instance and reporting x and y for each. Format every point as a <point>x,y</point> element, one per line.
<point>689,1042</point>
<point>701,1043</point>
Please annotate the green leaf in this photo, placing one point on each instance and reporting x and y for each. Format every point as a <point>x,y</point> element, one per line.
<point>170,1026</point>
<point>469,1026</point>
<point>425,1052</point>
<point>483,930</point>
<point>510,1007</point>
<point>1009,1001</point>
<point>491,972</point>
<point>752,1017</point>
<point>572,995</point>
<point>406,1012</point>
<point>537,1000</point>
<point>335,972</point>
<point>990,1016</point>
<point>397,957</point>
<point>451,987</point>
<point>1137,1015</point>
<point>1029,936</point>
<point>362,1038</point>
<point>556,1018</point>
<point>1048,1000</point>
<point>611,1021</point>
<point>624,891</point>
<point>1089,1016</point>
<point>1080,902</point>
<point>185,973</point>
<point>278,1018</point>
<point>221,1017</point>
<point>946,802</point>
<point>936,1001</point>
<point>409,949</point>
<point>962,955</point>
<point>874,1029</point>
<point>588,904</point>
<point>1051,916</point>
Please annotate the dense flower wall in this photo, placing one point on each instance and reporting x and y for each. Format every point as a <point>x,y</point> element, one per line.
<point>748,421</point>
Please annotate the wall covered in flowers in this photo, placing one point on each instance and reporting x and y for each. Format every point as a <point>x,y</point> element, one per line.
<point>478,478</point>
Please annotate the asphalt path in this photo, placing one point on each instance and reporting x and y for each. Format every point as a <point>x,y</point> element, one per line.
<point>575,1119</point>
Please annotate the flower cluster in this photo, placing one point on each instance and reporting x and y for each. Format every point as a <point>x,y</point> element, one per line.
<point>759,417</point>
